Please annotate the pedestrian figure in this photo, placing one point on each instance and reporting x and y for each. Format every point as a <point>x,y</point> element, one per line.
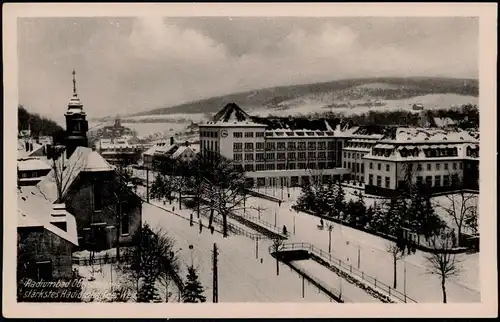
<point>284,230</point>
<point>321,222</point>
<point>453,237</point>
<point>212,229</point>
<point>201,226</point>
<point>173,208</point>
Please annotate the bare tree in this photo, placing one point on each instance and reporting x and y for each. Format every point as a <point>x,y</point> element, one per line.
<point>460,206</point>
<point>441,262</point>
<point>396,253</point>
<point>63,172</point>
<point>276,247</point>
<point>223,200</point>
<point>122,193</point>
<point>472,218</point>
<point>222,187</point>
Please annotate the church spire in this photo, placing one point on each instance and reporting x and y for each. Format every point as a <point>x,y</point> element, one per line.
<point>74,83</point>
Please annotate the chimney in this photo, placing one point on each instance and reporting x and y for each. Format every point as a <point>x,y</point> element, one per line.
<point>58,216</point>
<point>187,143</point>
<point>171,140</point>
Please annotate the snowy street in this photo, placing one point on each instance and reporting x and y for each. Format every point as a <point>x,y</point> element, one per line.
<point>242,277</point>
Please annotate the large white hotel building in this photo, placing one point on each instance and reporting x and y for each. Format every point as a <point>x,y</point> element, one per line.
<point>288,153</point>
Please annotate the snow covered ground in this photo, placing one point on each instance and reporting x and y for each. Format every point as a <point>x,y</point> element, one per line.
<point>374,260</point>
<point>242,277</point>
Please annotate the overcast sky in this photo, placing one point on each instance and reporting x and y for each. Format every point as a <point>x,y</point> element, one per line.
<point>127,65</point>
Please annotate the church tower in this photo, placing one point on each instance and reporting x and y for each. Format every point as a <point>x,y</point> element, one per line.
<point>76,123</point>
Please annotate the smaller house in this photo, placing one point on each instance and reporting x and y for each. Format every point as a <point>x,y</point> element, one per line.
<point>47,234</point>
<point>161,151</point>
<point>444,122</point>
<point>418,107</point>
<point>30,171</point>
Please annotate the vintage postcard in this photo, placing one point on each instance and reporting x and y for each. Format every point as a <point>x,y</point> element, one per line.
<point>250,160</point>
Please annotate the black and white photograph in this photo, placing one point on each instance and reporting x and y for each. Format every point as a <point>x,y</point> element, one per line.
<point>272,158</point>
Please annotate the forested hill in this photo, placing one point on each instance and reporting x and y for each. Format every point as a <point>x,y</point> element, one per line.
<point>39,125</point>
<point>278,97</point>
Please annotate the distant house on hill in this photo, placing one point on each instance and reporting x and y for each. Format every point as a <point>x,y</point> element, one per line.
<point>90,187</point>
<point>444,122</point>
<point>418,107</point>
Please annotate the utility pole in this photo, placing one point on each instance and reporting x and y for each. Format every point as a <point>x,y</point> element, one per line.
<point>359,257</point>
<point>147,184</point>
<point>259,209</point>
<point>257,248</point>
<point>330,228</point>
<point>404,278</point>
<point>303,286</point>
<point>215,271</point>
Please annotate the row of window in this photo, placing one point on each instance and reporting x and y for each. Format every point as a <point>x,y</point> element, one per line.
<point>284,166</point>
<point>438,180</point>
<point>284,156</point>
<point>379,181</point>
<point>248,134</point>
<point>209,134</point>
<point>32,174</point>
<point>419,166</point>
<point>281,146</point>
<point>356,156</point>
<point>356,167</point>
<point>209,145</point>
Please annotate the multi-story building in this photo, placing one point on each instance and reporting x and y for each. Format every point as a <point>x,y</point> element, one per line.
<point>275,154</point>
<point>438,159</point>
<point>119,150</point>
<point>356,147</point>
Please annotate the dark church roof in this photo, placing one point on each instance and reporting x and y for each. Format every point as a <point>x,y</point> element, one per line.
<point>231,113</point>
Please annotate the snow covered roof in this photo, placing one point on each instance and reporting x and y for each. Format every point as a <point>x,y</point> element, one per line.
<point>82,159</point>
<point>298,133</point>
<point>433,135</point>
<point>180,150</point>
<point>443,121</point>
<point>35,211</point>
<point>32,164</point>
<point>417,152</point>
<point>162,146</point>
<point>21,148</point>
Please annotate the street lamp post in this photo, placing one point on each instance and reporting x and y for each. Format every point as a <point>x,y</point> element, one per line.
<point>330,228</point>
<point>294,224</point>
<point>404,261</point>
<point>359,256</point>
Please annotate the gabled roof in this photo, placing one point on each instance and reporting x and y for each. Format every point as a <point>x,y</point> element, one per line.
<point>32,164</point>
<point>83,159</point>
<point>181,150</point>
<point>232,113</point>
<point>21,148</point>
<point>34,210</point>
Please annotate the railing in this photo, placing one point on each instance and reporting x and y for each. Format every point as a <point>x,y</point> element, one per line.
<point>332,260</point>
<point>334,294</point>
<point>262,223</point>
